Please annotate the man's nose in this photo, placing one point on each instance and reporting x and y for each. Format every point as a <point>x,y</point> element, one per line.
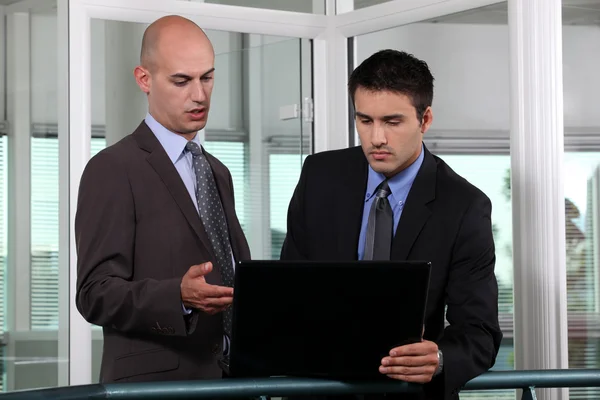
<point>378,135</point>
<point>198,94</point>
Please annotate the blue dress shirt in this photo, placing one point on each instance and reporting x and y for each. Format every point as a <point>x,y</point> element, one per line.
<point>400,185</point>
<point>174,145</point>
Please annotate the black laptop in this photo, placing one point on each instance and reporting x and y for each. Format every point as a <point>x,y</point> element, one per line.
<point>323,319</point>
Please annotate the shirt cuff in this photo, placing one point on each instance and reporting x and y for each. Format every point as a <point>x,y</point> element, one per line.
<point>185,310</point>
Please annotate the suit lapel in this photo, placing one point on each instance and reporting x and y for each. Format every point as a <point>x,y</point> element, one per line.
<point>159,160</point>
<point>350,210</point>
<point>416,212</point>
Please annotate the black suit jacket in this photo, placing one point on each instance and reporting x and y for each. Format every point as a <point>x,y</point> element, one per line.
<point>446,221</point>
<point>137,233</point>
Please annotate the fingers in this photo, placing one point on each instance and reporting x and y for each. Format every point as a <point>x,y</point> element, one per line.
<point>406,361</point>
<point>214,291</point>
<point>409,371</point>
<point>412,363</point>
<point>413,378</point>
<point>213,303</point>
<point>219,302</point>
<point>416,349</point>
<point>199,270</point>
<point>214,306</point>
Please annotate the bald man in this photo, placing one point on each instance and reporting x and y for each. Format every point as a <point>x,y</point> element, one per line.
<point>156,230</point>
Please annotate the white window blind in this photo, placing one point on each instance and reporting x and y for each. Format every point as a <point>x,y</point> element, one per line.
<point>97,144</point>
<point>44,230</point>
<point>44,233</point>
<point>284,172</point>
<point>233,155</point>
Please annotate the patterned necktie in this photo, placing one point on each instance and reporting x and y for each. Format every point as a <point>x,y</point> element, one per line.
<point>380,226</point>
<point>213,219</point>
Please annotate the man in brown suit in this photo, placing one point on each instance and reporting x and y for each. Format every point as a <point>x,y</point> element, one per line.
<point>156,230</point>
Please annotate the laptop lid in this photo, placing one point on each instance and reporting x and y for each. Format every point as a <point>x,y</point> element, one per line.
<point>324,319</point>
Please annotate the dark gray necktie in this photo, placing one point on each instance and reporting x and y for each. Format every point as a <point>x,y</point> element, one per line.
<point>380,226</point>
<point>213,219</point>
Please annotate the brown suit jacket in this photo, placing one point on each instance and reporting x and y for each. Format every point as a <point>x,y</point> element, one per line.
<point>137,233</point>
<point>446,221</point>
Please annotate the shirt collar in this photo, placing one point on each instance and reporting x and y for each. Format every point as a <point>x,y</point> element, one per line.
<point>173,143</point>
<point>399,183</point>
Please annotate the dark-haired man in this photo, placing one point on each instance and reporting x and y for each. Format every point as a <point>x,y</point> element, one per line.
<point>394,200</point>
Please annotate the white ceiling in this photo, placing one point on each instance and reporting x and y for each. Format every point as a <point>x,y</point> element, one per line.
<point>575,12</point>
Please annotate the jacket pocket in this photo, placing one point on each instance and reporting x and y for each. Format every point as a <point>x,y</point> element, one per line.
<point>145,362</point>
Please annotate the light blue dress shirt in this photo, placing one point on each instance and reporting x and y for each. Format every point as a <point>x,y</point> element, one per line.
<point>400,185</point>
<point>174,145</point>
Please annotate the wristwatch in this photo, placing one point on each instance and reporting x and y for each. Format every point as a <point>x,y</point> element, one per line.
<point>441,363</point>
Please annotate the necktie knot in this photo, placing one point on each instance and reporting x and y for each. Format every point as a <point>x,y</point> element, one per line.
<point>383,190</point>
<point>193,148</point>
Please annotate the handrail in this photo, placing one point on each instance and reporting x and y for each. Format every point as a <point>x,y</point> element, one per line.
<point>284,386</point>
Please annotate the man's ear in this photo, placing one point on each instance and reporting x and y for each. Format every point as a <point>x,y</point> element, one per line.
<point>427,120</point>
<point>142,78</point>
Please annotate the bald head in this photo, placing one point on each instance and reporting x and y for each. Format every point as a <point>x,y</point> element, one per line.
<point>177,74</point>
<point>169,31</point>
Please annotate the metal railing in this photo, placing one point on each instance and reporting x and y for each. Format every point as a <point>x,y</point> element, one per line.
<point>278,387</point>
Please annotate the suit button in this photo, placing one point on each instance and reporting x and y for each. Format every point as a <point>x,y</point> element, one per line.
<point>215,349</point>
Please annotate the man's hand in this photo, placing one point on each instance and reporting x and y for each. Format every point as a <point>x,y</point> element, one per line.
<point>415,362</point>
<point>196,293</point>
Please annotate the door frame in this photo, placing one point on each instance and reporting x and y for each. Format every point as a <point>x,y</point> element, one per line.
<point>329,33</point>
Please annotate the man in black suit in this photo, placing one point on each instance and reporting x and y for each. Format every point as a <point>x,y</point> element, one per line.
<point>394,200</point>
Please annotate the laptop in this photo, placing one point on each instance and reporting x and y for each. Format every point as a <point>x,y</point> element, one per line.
<point>323,319</point>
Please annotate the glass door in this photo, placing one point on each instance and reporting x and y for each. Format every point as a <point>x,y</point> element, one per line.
<point>33,274</point>
<point>259,126</point>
